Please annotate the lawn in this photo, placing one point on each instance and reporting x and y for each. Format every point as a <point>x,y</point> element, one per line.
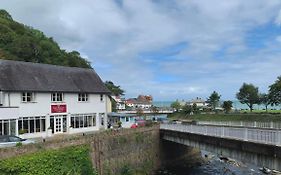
<point>262,117</point>
<point>260,111</point>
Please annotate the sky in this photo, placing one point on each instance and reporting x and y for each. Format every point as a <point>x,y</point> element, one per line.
<point>170,49</point>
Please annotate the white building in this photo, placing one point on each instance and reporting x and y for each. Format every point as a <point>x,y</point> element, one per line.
<point>120,104</point>
<point>198,101</point>
<point>142,102</point>
<point>40,100</point>
<point>127,120</point>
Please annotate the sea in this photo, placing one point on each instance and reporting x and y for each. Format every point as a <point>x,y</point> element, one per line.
<point>236,105</point>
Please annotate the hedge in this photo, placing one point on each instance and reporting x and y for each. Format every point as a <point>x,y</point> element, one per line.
<point>67,161</point>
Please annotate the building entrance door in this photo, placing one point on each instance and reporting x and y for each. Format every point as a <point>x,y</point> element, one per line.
<point>58,124</point>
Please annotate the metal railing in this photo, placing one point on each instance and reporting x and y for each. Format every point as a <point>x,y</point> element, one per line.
<point>254,124</point>
<point>266,136</point>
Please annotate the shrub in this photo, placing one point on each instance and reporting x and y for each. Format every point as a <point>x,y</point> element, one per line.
<point>18,144</point>
<point>70,160</point>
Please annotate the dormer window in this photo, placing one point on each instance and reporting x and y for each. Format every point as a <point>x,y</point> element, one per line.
<point>57,97</point>
<point>82,97</point>
<point>28,97</point>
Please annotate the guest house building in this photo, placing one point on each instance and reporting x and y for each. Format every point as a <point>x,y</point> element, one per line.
<point>41,100</point>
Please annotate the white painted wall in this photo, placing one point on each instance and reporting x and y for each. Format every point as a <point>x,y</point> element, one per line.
<point>42,104</point>
<point>9,113</point>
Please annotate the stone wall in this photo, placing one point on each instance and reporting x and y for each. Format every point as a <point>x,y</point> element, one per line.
<point>112,152</point>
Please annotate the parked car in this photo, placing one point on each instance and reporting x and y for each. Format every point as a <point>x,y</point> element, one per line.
<point>9,141</point>
<point>140,122</point>
<point>134,125</point>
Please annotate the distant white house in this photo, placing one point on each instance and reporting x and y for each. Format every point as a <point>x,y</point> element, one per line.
<point>198,101</point>
<point>120,103</point>
<point>39,100</point>
<point>143,102</point>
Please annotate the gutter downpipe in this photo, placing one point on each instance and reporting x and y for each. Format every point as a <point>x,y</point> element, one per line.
<point>1,98</point>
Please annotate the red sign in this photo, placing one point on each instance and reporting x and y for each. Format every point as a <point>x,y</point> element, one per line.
<point>58,108</point>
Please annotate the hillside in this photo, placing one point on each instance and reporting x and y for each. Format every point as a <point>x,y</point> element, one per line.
<point>23,43</point>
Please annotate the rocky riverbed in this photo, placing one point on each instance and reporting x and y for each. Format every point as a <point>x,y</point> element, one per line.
<point>209,164</point>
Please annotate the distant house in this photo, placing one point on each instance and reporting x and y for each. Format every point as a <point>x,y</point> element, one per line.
<point>127,120</point>
<point>39,100</point>
<point>198,101</point>
<point>120,103</point>
<point>143,102</point>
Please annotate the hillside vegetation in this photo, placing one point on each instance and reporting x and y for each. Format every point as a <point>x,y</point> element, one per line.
<point>23,43</point>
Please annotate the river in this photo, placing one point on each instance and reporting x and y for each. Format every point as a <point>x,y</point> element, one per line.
<point>212,165</point>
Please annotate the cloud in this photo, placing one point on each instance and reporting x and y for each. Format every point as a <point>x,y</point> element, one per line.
<point>114,35</point>
<point>278,38</point>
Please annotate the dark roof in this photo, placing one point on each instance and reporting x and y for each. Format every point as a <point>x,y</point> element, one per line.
<point>26,76</point>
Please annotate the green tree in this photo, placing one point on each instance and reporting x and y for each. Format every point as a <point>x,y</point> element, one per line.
<point>187,109</point>
<point>195,109</point>
<point>265,100</point>
<point>5,14</point>
<point>23,43</point>
<point>115,90</point>
<point>154,109</point>
<point>275,92</point>
<point>214,99</point>
<point>248,94</point>
<point>227,105</point>
<point>176,105</point>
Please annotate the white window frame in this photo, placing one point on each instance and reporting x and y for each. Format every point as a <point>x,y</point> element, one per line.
<point>26,95</point>
<point>83,97</point>
<point>56,95</point>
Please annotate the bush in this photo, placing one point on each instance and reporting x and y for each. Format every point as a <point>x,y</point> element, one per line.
<point>71,160</point>
<point>126,170</point>
<point>19,144</point>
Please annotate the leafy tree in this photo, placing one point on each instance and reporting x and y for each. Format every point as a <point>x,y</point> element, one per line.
<point>187,109</point>
<point>154,109</point>
<point>195,108</point>
<point>227,105</point>
<point>115,90</point>
<point>214,99</point>
<point>275,92</point>
<point>248,94</point>
<point>176,105</point>
<point>265,100</point>
<point>5,14</point>
<point>23,43</point>
<point>113,105</point>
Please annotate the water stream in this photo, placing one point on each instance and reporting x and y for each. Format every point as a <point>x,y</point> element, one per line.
<point>212,165</point>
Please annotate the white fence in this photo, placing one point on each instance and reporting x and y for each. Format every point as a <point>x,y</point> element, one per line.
<point>276,125</point>
<point>147,112</point>
<point>266,136</point>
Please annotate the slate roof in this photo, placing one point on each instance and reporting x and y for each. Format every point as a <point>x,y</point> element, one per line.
<point>26,76</point>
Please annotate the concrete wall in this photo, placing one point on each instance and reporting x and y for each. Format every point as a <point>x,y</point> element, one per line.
<point>111,150</point>
<point>247,152</point>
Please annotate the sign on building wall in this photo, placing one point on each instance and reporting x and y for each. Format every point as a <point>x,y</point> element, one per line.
<point>58,108</point>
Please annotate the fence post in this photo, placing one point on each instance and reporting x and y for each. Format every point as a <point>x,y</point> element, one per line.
<point>255,124</point>
<point>246,134</point>
<point>271,124</point>
<point>278,138</point>
<point>223,131</point>
<point>205,130</point>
